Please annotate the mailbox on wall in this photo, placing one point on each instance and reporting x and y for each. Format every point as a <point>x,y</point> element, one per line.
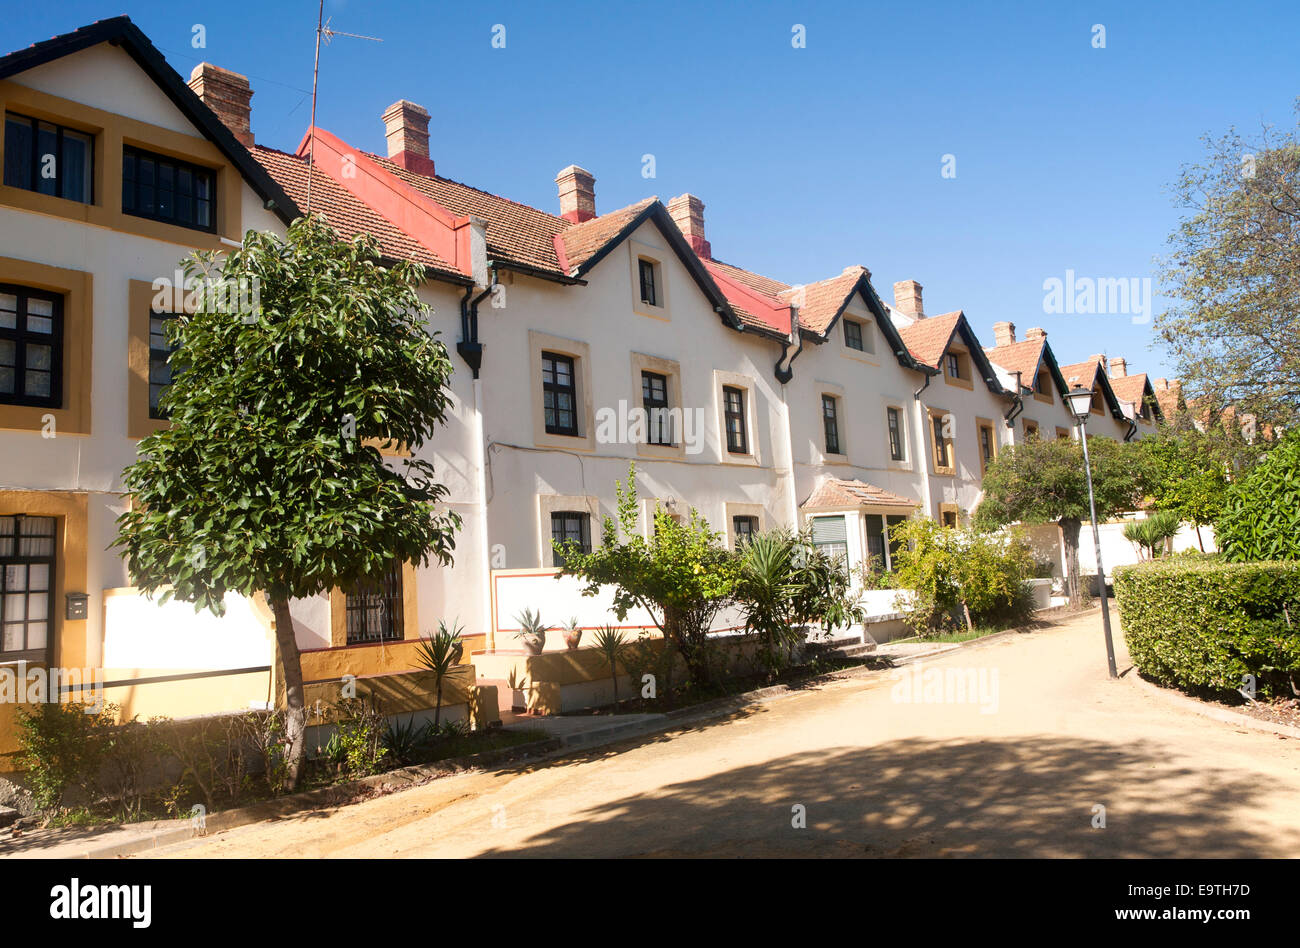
<point>76,606</point>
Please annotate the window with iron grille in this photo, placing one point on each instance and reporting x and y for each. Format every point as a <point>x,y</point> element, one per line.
<point>649,292</point>
<point>570,526</point>
<point>895,433</point>
<point>733,405</point>
<point>654,398</point>
<point>853,334</point>
<point>168,190</point>
<point>743,528</point>
<point>559,394</point>
<point>374,608</point>
<point>27,557</point>
<point>49,159</point>
<point>831,423</point>
<point>160,370</point>
<point>31,347</point>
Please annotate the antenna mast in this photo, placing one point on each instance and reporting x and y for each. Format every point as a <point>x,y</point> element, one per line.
<point>322,30</point>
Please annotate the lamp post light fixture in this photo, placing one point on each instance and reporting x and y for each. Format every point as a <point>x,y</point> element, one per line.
<point>1080,402</point>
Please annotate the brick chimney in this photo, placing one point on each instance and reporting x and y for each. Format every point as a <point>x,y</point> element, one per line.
<point>1160,385</point>
<point>688,212</point>
<point>1118,367</point>
<point>1035,332</point>
<point>228,95</point>
<point>406,126</point>
<point>577,194</point>
<point>1100,357</point>
<point>1004,334</point>
<point>907,298</point>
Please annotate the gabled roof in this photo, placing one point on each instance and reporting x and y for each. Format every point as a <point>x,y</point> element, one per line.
<point>1170,399</point>
<point>346,213</point>
<point>763,313</point>
<point>928,338</point>
<point>576,244</point>
<point>835,492</point>
<point>1088,373</point>
<point>121,32</point>
<point>1137,389</point>
<point>1027,358</point>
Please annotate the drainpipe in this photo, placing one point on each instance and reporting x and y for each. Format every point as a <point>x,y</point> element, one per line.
<point>1012,413</point>
<point>481,514</point>
<point>785,372</point>
<point>923,443</point>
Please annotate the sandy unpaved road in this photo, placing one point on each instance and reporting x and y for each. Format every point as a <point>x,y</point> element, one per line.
<point>876,776</point>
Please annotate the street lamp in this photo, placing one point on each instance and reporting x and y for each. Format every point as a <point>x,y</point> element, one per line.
<point>1080,401</point>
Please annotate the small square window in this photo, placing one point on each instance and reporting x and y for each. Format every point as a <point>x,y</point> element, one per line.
<point>853,334</point>
<point>743,529</point>
<point>374,608</point>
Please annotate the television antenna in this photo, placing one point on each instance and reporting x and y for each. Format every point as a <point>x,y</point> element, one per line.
<point>322,31</point>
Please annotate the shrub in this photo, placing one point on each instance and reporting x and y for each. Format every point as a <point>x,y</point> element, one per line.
<point>945,568</point>
<point>62,747</point>
<point>1200,622</point>
<point>361,727</point>
<point>1152,533</point>
<point>1261,513</point>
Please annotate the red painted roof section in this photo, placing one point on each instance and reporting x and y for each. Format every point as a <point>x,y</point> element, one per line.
<point>753,307</point>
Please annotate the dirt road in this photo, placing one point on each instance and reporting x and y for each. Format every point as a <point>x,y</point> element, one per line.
<point>1004,749</point>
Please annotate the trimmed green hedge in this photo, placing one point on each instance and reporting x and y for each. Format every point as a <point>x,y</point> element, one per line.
<point>1202,623</point>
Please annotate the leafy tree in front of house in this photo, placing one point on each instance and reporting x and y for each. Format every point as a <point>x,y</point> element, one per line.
<point>267,481</point>
<point>1261,512</point>
<point>1044,482</point>
<point>1185,471</point>
<point>681,574</point>
<point>1233,275</point>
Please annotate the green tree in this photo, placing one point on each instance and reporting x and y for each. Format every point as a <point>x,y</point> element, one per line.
<point>267,480</point>
<point>1233,275</point>
<point>1261,512</point>
<point>1044,482</point>
<point>1185,472</point>
<point>681,575</point>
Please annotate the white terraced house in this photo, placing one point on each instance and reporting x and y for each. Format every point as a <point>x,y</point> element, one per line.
<point>771,404</point>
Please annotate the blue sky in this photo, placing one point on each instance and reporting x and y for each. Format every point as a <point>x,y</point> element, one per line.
<point>808,159</point>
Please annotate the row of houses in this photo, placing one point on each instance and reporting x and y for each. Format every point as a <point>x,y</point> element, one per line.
<point>583,339</point>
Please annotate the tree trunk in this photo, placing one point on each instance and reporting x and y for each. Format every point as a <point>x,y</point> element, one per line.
<point>295,723</point>
<point>437,708</point>
<point>1070,527</point>
<point>1199,541</point>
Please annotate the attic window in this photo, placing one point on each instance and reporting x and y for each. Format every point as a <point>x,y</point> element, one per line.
<point>1042,383</point>
<point>649,274</point>
<point>954,365</point>
<point>853,334</point>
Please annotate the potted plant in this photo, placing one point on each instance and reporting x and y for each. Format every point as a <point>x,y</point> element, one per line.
<point>532,631</point>
<point>518,705</point>
<point>572,633</point>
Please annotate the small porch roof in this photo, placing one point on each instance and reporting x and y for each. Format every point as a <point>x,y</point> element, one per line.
<point>837,494</point>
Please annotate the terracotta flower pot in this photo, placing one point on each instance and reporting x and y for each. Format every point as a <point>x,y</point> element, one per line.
<point>571,639</point>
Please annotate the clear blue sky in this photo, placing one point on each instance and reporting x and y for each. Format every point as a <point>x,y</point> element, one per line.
<point>808,159</point>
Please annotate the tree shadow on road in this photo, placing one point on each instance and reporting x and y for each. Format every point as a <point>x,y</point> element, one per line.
<point>1029,797</point>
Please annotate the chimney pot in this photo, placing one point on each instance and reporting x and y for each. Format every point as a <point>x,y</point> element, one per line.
<point>1118,367</point>
<point>687,211</point>
<point>228,95</point>
<point>406,125</point>
<point>907,298</point>
<point>1035,332</point>
<point>1004,334</point>
<point>577,194</point>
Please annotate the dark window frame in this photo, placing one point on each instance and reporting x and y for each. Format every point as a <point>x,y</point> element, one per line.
<point>734,416</point>
<point>853,335</point>
<point>648,277</point>
<point>743,534</point>
<point>375,608</point>
<point>894,424</point>
<point>22,337</point>
<point>34,172</point>
<point>132,185</point>
<point>155,411</point>
<point>953,361</point>
<point>831,424</point>
<point>553,390</point>
<point>942,445</point>
<point>561,523</point>
<point>10,556</point>
<point>660,434</point>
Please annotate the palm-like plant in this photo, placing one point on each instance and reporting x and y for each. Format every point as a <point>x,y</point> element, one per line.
<point>439,654</point>
<point>612,647</point>
<point>1152,533</point>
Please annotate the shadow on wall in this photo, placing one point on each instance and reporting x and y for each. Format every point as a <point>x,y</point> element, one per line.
<point>1028,798</point>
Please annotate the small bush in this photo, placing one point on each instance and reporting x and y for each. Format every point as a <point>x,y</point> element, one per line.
<point>1261,512</point>
<point>1200,623</point>
<point>62,748</point>
<point>360,733</point>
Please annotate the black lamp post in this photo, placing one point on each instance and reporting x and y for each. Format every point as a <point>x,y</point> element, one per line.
<point>1080,401</point>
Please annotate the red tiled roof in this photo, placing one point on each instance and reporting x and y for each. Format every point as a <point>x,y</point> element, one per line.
<point>346,213</point>
<point>580,242</point>
<point>1081,373</point>
<point>1168,398</point>
<point>753,307</point>
<point>516,233</point>
<point>927,338</point>
<point>819,303</point>
<point>835,492</point>
<point>1129,388</point>
<point>1023,357</point>
<point>755,281</point>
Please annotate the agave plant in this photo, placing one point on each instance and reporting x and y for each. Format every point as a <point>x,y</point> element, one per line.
<point>532,631</point>
<point>612,646</point>
<point>439,654</point>
<point>404,740</point>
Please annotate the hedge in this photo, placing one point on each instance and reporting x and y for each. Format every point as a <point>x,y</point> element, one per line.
<point>1202,623</point>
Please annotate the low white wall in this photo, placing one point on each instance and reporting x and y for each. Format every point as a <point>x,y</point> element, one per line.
<point>139,633</point>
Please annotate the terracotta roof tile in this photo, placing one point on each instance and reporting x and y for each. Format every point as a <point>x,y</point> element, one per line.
<point>822,301</point>
<point>1168,399</point>
<point>756,282</point>
<point>928,338</point>
<point>1081,373</point>
<point>1023,357</point>
<point>1129,388</point>
<point>753,306</point>
<point>835,492</point>
<point>582,241</point>
<point>346,213</point>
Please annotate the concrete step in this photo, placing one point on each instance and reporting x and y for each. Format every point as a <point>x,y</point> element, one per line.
<point>856,649</point>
